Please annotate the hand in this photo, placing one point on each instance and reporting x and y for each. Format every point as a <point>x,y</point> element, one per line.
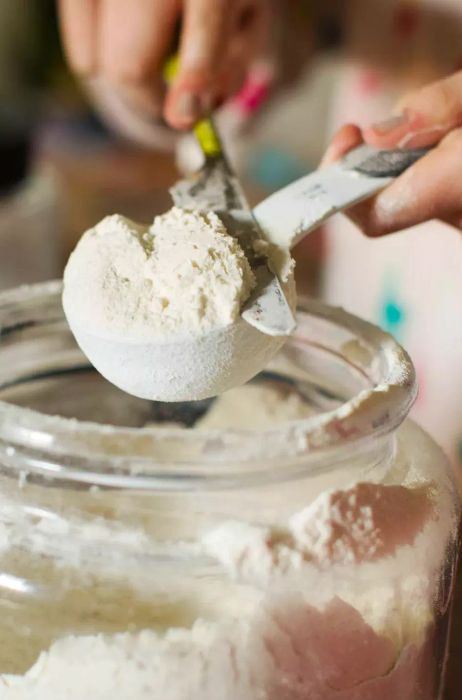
<point>432,188</point>
<point>125,45</point>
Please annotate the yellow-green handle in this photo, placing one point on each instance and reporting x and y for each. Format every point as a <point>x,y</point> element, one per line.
<point>208,138</point>
<point>204,129</point>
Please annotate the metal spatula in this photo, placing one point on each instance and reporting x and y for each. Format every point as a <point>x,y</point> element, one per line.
<point>216,188</point>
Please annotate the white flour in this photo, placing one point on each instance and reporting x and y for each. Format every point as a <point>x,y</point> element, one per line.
<point>183,275</point>
<point>157,310</point>
<point>336,602</point>
<point>256,405</point>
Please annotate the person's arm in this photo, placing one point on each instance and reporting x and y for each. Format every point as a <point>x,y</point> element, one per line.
<point>432,188</point>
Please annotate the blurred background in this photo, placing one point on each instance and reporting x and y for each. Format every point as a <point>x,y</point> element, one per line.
<point>62,169</point>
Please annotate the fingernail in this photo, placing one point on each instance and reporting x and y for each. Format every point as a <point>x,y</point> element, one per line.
<point>384,127</point>
<point>188,106</point>
<point>423,137</point>
<point>330,155</point>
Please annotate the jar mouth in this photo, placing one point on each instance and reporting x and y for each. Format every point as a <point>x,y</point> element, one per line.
<point>379,391</point>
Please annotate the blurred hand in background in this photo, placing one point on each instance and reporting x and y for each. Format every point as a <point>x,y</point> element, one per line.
<point>125,44</point>
<point>119,48</point>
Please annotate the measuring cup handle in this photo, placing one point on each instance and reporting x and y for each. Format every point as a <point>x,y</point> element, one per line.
<point>390,163</point>
<point>290,214</point>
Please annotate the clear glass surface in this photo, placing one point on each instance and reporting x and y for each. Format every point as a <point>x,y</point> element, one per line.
<point>109,525</point>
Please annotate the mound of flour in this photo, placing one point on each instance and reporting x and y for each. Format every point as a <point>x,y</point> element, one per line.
<point>310,632</point>
<point>183,275</point>
<point>254,406</point>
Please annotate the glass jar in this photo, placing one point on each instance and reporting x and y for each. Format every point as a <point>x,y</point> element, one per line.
<point>298,545</point>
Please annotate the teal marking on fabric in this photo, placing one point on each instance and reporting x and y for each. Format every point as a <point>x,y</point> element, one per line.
<point>393,314</point>
<point>272,168</point>
<point>392,317</point>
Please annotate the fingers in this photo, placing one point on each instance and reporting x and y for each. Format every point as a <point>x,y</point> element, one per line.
<point>133,43</point>
<point>134,40</point>
<point>122,43</point>
<point>78,22</point>
<point>432,188</point>
<point>205,27</point>
<point>122,117</point>
<point>125,44</point>
<point>347,137</point>
<point>423,117</point>
<point>217,44</point>
<point>249,34</point>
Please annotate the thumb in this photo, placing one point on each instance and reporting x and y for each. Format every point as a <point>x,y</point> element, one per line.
<point>422,118</point>
<point>346,138</point>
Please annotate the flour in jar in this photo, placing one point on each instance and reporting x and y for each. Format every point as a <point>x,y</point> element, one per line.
<point>337,601</point>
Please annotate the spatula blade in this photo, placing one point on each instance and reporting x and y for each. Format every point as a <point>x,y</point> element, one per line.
<point>215,188</point>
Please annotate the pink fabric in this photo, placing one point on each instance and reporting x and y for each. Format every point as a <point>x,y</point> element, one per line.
<point>253,94</point>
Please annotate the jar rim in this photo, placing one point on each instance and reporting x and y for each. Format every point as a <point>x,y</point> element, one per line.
<point>87,452</point>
